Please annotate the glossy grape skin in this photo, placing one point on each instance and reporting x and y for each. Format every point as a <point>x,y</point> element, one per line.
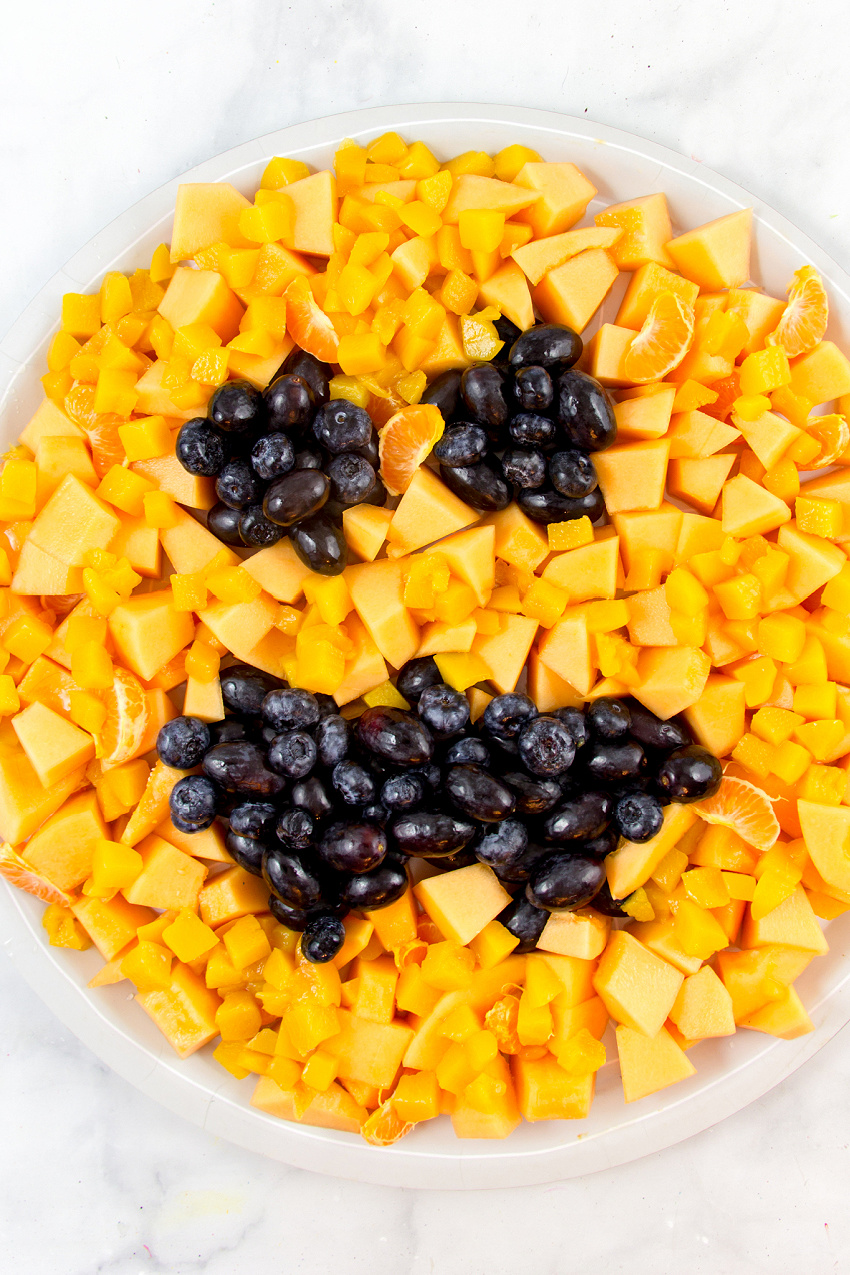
<point>312,795</point>
<point>292,918</point>
<point>507,331</point>
<point>289,402</point>
<point>370,452</point>
<point>416,675</point>
<point>272,456</point>
<point>253,819</point>
<point>323,938</point>
<point>478,794</point>
<point>587,816</point>
<point>256,530</point>
<point>292,877</point>
<point>352,479</point>
<point>478,485</point>
<point>608,718</point>
<point>529,429</point>
<point>227,731</point>
<point>505,715</point>
<point>546,505</point>
<point>353,847</point>
<point>376,889</point>
<point>546,746</point>
<point>237,484</point>
<point>604,902</point>
<point>395,736</point>
<point>296,496</point>
<point>193,803</point>
<point>296,828</point>
<point>320,544</point>
<point>586,412</point>
<point>290,708</point>
<point>328,706</point>
<point>532,796</point>
<point>462,444</point>
<point>241,767</point>
<point>574,720</point>
<point>312,370</point>
<point>468,749</point>
<point>689,774</point>
<point>638,816</point>
<point>571,473</point>
<point>201,448</point>
<point>524,467</point>
<point>444,394</point>
<point>182,742</point>
<point>430,834</point>
<point>600,847</point>
<point>238,408</point>
<point>375,814</point>
<point>653,732</point>
<point>292,754</point>
<point>614,761</point>
<point>243,689</point>
<point>341,426</point>
<point>503,846</point>
<point>565,882</point>
<point>443,710</point>
<point>354,783</point>
<point>525,921</point>
<point>246,851</point>
<point>333,740</point>
<point>482,390</point>
<point>403,792</point>
<point>533,389</point>
<point>460,859</point>
<point>546,345</point>
<point>224,522</point>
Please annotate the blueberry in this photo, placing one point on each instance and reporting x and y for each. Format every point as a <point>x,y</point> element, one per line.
<point>572,473</point>
<point>546,345</point>
<point>376,889</point>
<point>638,816</point>
<point>529,429</point>
<point>241,767</point>
<point>308,458</point>
<point>296,496</point>
<point>354,783</point>
<point>546,746</point>
<point>246,851</point>
<point>293,754</point>
<point>353,847</point>
<point>293,918</point>
<point>504,845</point>
<point>237,484</point>
<point>463,444</point>
<point>256,530</point>
<point>201,448</point>
<point>585,817</point>
<point>443,710</point>
<point>478,794</point>
<point>320,544</point>
<point>402,792</point>
<point>525,467</point>
<point>296,829</point>
<point>193,803</point>
<point>689,774</point>
<point>272,456</point>
<point>333,739</point>
<point>430,834</point>
<point>395,736</point>
<point>253,819</point>
<point>182,742</point>
<point>546,505</point>
<point>289,402</point>
<point>564,882</point>
<point>416,675</point>
<point>323,938</point>
<point>505,715</point>
<point>341,426</point>
<point>328,706</point>
<point>478,485</point>
<point>243,689</point>
<point>289,708</point>
<point>614,761</point>
<point>608,718</point>
<point>292,877</point>
<point>586,412</point>
<point>468,749</point>
<point>238,408</point>
<point>224,522</point>
<point>314,372</point>
<point>525,921</point>
<point>352,480</point>
<point>574,720</point>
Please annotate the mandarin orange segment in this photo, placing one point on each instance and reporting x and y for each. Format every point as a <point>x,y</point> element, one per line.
<point>385,1126</point>
<point>804,319</point>
<point>307,323</point>
<point>744,808</point>
<point>127,712</point>
<point>405,441</point>
<point>662,342</point>
<point>18,872</point>
<point>833,434</point>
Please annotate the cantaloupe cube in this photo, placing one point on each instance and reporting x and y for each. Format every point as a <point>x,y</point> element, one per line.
<point>671,679</point>
<point>369,1052</point>
<point>637,987</point>
<point>703,1007</point>
<point>758,311</point>
<point>695,435</point>
<point>581,935</point>
<point>279,570</point>
<point>377,591</point>
<point>540,256</point>
<point>650,1063</point>
<point>48,421</point>
<point>463,901</point>
<point>546,1092</point>
<point>508,291</point>
<point>140,545</point>
<point>365,528</point>
<point>633,863</point>
<point>366,669</point>
<point>565,193</point>
<point>769,436</point>
<point>232,894</point>
<point>662,938</point>
<point>169,476</point>
<point>604,354</point>
<point>38,573</point>
<point>751,977</point>
<point>395,924</point>
<point>749,510</point>
<point>506,652</point>
<point>468,1121</point>
<point>331,1108</point>
<point>426,512</point>
<point>447,352</point>
<point>785,1017</point>
<point>791,924</point>
<point>518,539</point>
<point>55,747</point>
<point>25,802</point>
<point>62,850</point>
<point>647,416</point>
<point>822,374</point>
<point>257,369</point>
<point>644,286</point>
<point>646,229</point>
<point>632,475</point>
<point>315,201</point>
<point>242,626</point>
<point>814,561</point>
<point>717,254</point>
<point>148,632</point>
<point>441,637</point>
<point>654,529</point>
<point>572,293</point>
<point>201,296</point>
<point>471,557</point>
<point>566,649</point>
<point>154,398</point>
<point>473,192</point>
<point>547,689</point>
<point>110,925</point>
<point>717,719</point>
<point>589,572</point>
<point>169,879</point>
<point>649,619</point>
<point>699,482</point>
<point>826,832</point>
<point>206,213</point>
<point>184,1012</point>
<point>72,522</point>
<point>203,700</point>
<point>57,456</point>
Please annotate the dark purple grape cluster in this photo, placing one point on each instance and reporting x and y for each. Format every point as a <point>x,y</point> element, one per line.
<point>329,810</point>
<point>523,428</point>
<point>287,461</point>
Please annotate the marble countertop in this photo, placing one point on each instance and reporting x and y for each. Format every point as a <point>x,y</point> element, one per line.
<point>101,104</point>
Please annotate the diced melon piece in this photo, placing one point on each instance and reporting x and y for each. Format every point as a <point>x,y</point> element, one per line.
<point>822,374</point>
<point>331,1108</point>
<point>201,296</point>
<point>581,934</point>
<point>169,476</point>
<point>110,925</point>
<point>368,1052</point>
<point>190,547</point>
<point>508,291</point>
<point>785,1017</point>
<point>25,802</point>
<point>717,254</point>
<point>232,894</point>
<point>518,539</point>
<point>588,572</point>
<point>769,436</point>
<point>637,987</point>
<point>169,879</point>
<point>148,632</point>
<point>564,191</point>
<point>366,669</point>
<point>649,619</point>
<point>547,689</point>
<point>48,421</point>
<point>242,626</point>
<point>426,512</point>
<point>55,747</point>
<point>572,293</point>
<point>315,201</point>
<point>698,534</point>
<point>540,256</point>
<point>463,901</point>
<point>39,572</point>
<point>647,416</point>
<point>671,679</point>
<point>473,192</point>
<point>365,528</point>
<point>208,844</point>
<point>505,652</point>
<point>717,720</point>
<point>749,510</point>
<point>471,557</point>
<point>154,398</point>
<point>759,312</point>
<point>573,973</point>
<point>695,435</point>
<point>633,862</point>
<point>57,456</point>
<point>814,561</point>
<point>184,1012</point>
<point>447,353</point>
<point>377,591</point>
<point>440,637</point>
<point>203,700</point>
<point>566,650</point>
<point>632,475</point>
<point>72,522</point>
<point>470,1122</point>
<point>140,545</point>
<point>650,1063</point>
<point>259,370</point>
<point>279,569</point>
<point>641,530</point>
<point>791,924</point>
<point>206,213</point>
<point>699,482</point>
<point>63,848</point>
<point>703,1007</point>
<point>826,832</point>
<point>661,937</point>
<point>646,226</point>
<point>604,354</point>
<point>395,924</point>
<point>546,1092</point>
<point>751,977</point>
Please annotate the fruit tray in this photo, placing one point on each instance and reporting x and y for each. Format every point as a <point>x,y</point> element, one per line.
<point>730,1071</point>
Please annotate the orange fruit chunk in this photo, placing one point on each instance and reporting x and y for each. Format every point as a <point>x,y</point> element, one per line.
<point>405,441</point>
<point>744,808</point>
<point>662,342</point>
<point>126,719</point>
<point>833,434</point>
<point>727,390</point>
<point>18,872</point>
<point>804,319</point>
<point>307,323</point>
<point>384,1126</point>
<point>100,428</point>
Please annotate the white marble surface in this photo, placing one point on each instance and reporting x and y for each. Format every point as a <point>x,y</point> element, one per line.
<point>101,103</point>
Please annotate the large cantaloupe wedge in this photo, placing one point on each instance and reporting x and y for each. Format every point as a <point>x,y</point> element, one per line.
<point>588,572</point>
<point>645,227</point>
<point>111,924</point>
<point>365,528</point>
<point>184,1012</point>
<point>696,435</point>
<point>206,213</point>
<point>241,626</point>
<point>506,652</point>
<point>57,456</point>
<point>653,529</point>
<point>822,374</point>
<point>717,720</point>
<point>785,1017</point>
<point>637,987</point>
<point>55,747</point>
<point>368,1052</point>
<point>148,632</point>
<point>567,650</point>
<point>366,669</point>
<point>650,1063</point>
<point>140,545</point>
<point>470,191</point>
<point>671,678</point>
<point>716,255</point>
<point>649,618</point>
<point>747,509</point>
<point>48,421</point>
<point>463,901</point>
<point>63,848</point>
<point>537,258</point>
<point>440,636</point>
<point>564,192</point>
<point>251,367</point>
<point>647,416</point>
<point>700,482</point>
<point>604,355</point>
<point>814,560</point>
<point>47,681</point>
<point>632,476</point>
<point>427,511</point>
<point>826,832</point>
<point>572,293</point>
<point>377,591</point>
<point>703,1007</point>
<point>25,803</point>
<point>73,522</point>
<point>471,557</point>
<point>578,937</point>
<point>792,924</point>
<point>518,539</point>
<point>508,291</point>
<point>769,436</point>
<point>315,202</point>
<point>201,296</point>
<point>203,700</point>
<point>547,689</point>
<point>169,879</point>
<point>39,572</point>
